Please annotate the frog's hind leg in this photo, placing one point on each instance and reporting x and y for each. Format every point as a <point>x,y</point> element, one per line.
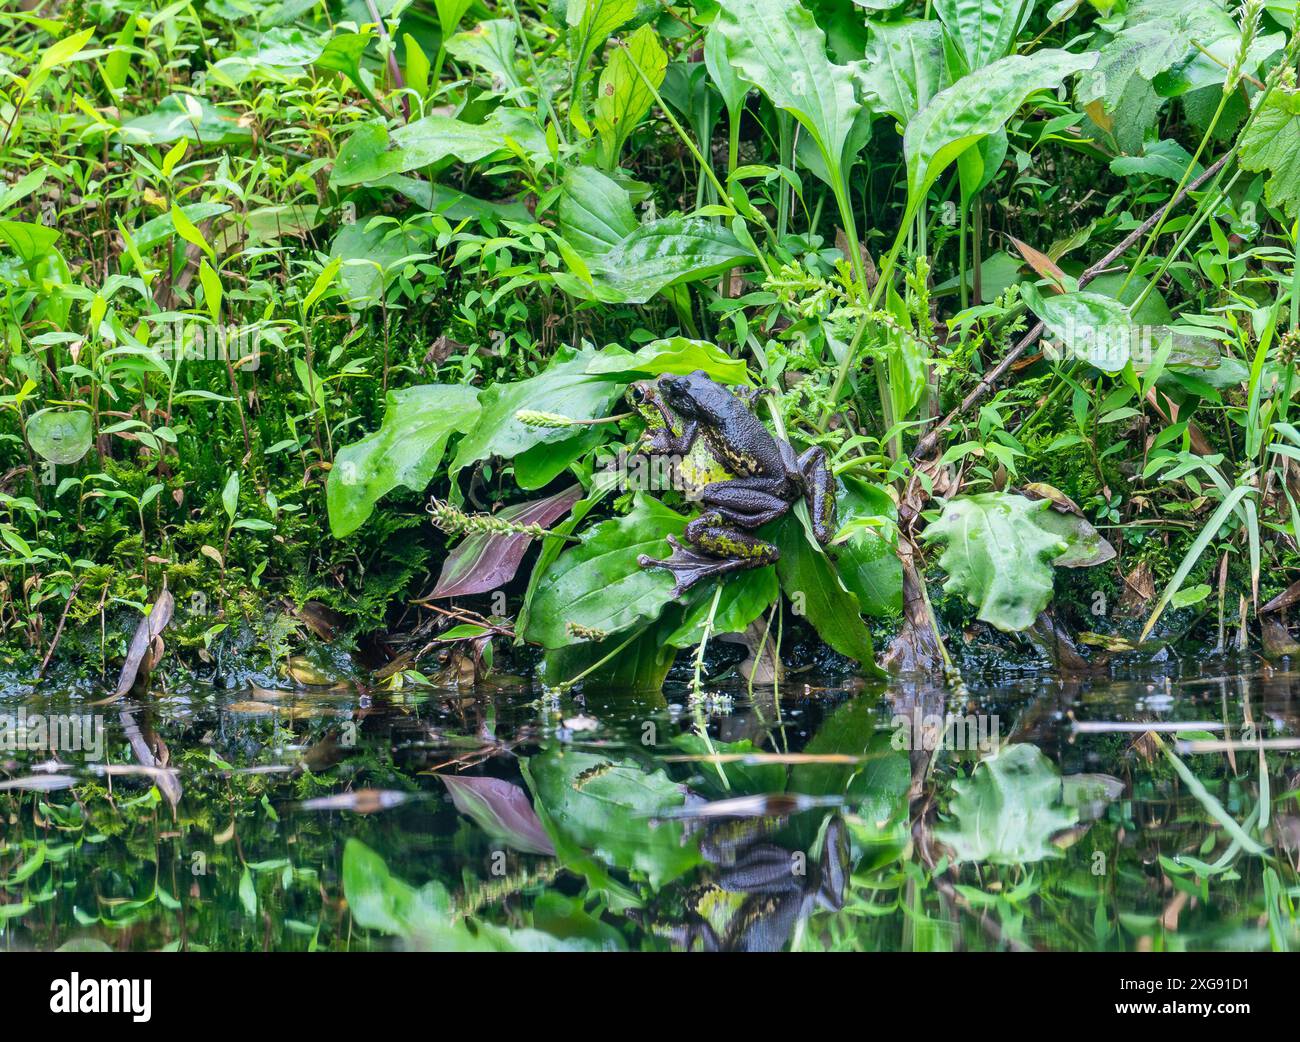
<point>819,491</point>
<point>712,548</point>
<point>747,502</point>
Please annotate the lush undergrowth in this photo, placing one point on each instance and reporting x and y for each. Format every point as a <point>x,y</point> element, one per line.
<point>349,318</point>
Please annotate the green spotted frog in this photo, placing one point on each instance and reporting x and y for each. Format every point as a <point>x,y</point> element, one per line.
<point>740,473</point>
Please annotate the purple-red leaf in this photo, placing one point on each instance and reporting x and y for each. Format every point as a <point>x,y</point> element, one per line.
<point>487,562</point>
<point>502,809</point>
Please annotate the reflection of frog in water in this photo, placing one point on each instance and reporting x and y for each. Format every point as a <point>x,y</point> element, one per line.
<point>741,474</point>
<point>758,892</point>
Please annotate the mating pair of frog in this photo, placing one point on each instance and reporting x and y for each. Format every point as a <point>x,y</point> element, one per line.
<point>741,474</point>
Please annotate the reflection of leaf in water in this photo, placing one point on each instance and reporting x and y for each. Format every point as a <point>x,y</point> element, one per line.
<point>1090,793</point>
<point>502,809</point>
<point>605,807</point>
<point>146,646</point>
<point>1007,811</point>
<point>378,900</point>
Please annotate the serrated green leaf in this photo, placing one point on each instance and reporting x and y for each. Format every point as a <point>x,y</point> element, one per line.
<point>1007,811</point>
<point>997,556</point>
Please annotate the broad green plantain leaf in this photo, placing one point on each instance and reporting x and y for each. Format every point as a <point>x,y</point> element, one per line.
<point>598,585</point>
<point>981,32</point>
<point>972,108</point>
<point>1157,36</point>
<point>810,581</point>
<point>622,95</point>
<point>866,559</point>
<point>595,212</point>
<point>903,70</point>
<point>1090,327</point>
<point>1272,143</point>
<point>1007,811</point>
<point>590,24</point>
<point>450,12</point>
<point>180,116</point>
<point>745,596</point>
<point>32,242</point>
<point>616,665</point>
<point>343,55</point>
<point>676,354</point>
<point>606,806</point>
<point>368,253</point>
<point>723,74</point>
<point>663,253</point>
<point>778,46</point>
<point>370,154</point>
<point>565,387</point>
<point>490,46</point>
<point>406,450</point>
<point>61,436</point>
<point>997,556</point>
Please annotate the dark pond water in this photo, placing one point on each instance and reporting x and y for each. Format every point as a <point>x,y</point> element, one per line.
<point>346,818</point>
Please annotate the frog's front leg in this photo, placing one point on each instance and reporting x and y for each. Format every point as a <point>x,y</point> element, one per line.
<point>819,492</point>
<point>712,547</point>
<point>663,442</point>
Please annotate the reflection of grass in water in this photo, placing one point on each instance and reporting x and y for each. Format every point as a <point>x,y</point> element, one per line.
<point>240,869</point>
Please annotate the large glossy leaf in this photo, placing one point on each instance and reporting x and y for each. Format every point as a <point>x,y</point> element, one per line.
<point>487,561</point>
<point>867,560</point>
<point>371,153</point>
<point>982,31</point>
<point>1089,326</point>
<point>489,46</point>
<point>590,24</point>
<point>810,581</point>
<point>187,116</point>
<point>598,586</point>
<point>595,212</point>
<point>1156,35</point>
<point>744,597</point>
<point>778,46</point>
<point>1272,143</point>
<point>623,96</point>
<point>677,354</point>
<point>564,388</point>
<point>664,253</point>
<point>974,107</point>
<point>605,807</point>
<point>997,556</point>
<point>904,68</point>
<point>406,450</point>
<point>730,84</point>
<point>618,666</point>
<point>61,436</point>
<point>1007,811</point>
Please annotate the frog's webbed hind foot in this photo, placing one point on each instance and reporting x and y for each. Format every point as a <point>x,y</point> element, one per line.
<point>690,566</point>
<point>711,548</point>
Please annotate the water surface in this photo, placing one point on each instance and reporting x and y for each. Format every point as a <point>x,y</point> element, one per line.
<point>352,818</point>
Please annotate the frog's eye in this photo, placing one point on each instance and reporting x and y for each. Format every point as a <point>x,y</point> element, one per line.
<point>636,393</point>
